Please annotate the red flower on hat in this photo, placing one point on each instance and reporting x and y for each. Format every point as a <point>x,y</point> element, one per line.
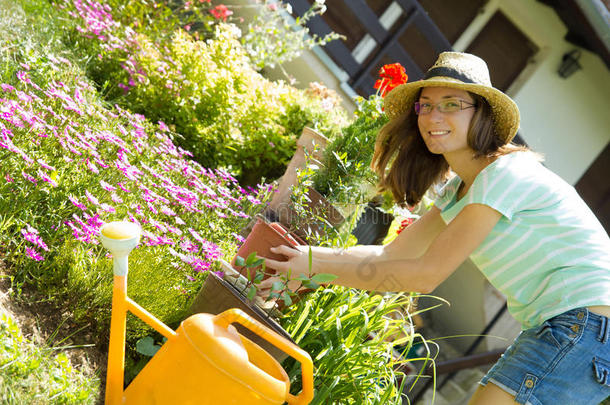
<point>221,12</point>
<point>391,76</point>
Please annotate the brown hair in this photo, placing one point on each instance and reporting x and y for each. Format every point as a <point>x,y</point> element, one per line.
<point>413,168</point>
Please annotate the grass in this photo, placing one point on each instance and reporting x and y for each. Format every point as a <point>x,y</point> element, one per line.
<point>34,374</point>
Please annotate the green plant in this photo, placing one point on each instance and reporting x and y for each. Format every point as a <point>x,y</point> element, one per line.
<point>273,37</point>
<point>31,373</point>
<point>351,336</point>
<point>227,114</point>
<point>345,175</point>
<point>284,288</point>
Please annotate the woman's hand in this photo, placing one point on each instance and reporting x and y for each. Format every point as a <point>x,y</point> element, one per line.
<point>297,263</point>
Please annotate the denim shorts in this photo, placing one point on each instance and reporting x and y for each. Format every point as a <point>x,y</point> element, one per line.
<point>564,361</point>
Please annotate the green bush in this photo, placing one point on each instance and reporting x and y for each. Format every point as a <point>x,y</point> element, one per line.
<point>226,113</point>
<point>345,173</point>
<point>351,335</point>
<point>70,164</point>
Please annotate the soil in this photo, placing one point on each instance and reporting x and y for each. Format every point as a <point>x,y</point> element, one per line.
<point>44,324</point>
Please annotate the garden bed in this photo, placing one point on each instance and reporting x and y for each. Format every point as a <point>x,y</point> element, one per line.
<point>92,133</point>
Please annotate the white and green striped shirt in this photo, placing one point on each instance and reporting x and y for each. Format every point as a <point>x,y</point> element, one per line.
<point>548,253</point>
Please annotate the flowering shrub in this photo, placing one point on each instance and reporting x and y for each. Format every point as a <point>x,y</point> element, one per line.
<point>69,165</point>
<point>207,91</point>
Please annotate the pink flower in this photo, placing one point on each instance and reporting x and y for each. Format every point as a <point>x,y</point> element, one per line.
<point>116,199</point>
<point>7,88</point>
<point>108,208</point>
<point>91,198</point>
<point>45,165</point>
<point>163,126</point>
<point>221,12</point>
<point>107,186</point>
<point>33,254</point>
<point>29,178</point>
<point>46,178</point>
<point>23,77</point>
<point>77,203</point>
<point>31,235</point>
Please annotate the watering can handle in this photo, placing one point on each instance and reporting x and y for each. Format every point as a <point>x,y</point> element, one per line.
<point>236,315</point>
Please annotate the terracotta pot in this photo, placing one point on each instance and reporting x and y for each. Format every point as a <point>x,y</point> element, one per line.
<point>217,296</point>
<point>261,239</point>
<point>307,142</point>
<point>321,214</point>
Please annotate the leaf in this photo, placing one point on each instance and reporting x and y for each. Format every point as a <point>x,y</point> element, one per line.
<point>323,278</point>
<point>251,292</point>
<point>147,346</point>
<point>277,286</point>
<point>239,261</point>
<point>310,259</point>
<point>251,258</point>
<point>256,263</point>
<point>310,284</point>
<point>286,298</point>
<point>258,278</point>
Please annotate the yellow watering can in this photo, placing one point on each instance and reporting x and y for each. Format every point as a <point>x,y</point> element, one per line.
<point>205,361</point>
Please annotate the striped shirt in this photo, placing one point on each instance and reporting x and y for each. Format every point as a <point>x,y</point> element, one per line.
<point>548,253</point>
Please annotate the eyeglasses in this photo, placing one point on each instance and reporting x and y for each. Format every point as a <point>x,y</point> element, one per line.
<point>445,106</point>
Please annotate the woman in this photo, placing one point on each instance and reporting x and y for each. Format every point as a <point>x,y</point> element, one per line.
<point>526,229</point>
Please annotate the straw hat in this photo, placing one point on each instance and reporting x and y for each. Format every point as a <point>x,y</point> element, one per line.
<point>459,71</point>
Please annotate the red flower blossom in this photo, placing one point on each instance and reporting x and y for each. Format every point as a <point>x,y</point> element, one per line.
<point>391,76</point>
<point>403,224</point>
<point>221,12</point>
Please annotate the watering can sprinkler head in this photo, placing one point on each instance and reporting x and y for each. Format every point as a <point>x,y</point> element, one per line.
<point>120,238</point>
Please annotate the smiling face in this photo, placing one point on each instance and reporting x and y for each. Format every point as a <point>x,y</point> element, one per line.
<point>445,133</point>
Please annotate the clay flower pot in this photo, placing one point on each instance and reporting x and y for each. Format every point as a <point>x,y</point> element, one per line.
<point>321,213</point>
<point>261,239</point>
<point>311,142</point>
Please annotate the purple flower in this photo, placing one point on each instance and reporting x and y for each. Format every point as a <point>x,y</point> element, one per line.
<point>115,198</point>
<point>240,238</point>
<point>189,246</point>
<point>31,235</point>
<point>7,87</point>
<point>23,77</point>
<point>163,126</point>
<point>107,208</point>
<point>107,186</point>
<point>75,201</point>
<point>93,168</point>
<point>125,189</point>
<point>28,177</point>
<point>33,254</point>
<point>46,178</point>
<point>43,164</point>
<point>91,198</point>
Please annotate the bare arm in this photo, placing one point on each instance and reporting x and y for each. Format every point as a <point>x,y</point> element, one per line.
<point>419,259</point>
